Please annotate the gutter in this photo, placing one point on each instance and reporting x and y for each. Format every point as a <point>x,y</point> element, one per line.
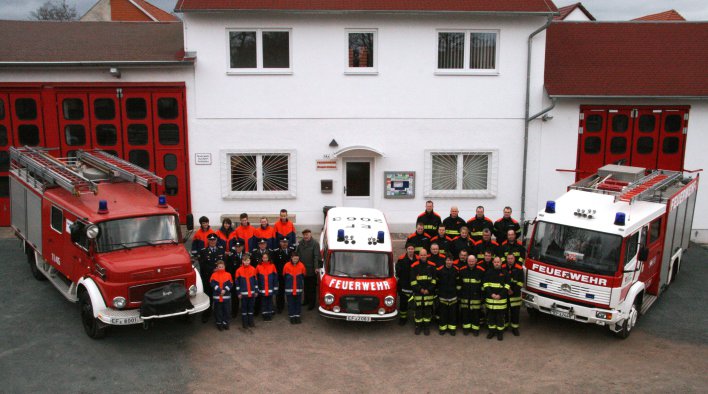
<point>572,96</point>
<point>379,12</point>
<point>185,62</point>
<point>528,119</point>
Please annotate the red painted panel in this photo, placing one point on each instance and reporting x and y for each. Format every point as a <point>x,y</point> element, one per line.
<point>26,117</point>
<point>645,138</point>
<point>672,139</point>
<point>592,141</point>
<point>73,122</point>
<point>618,144</point>
<point>5,144</point>
<point>104,120</point>
<point>137,128</point>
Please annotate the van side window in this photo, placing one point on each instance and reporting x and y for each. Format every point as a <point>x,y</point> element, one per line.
<point>654,230</point>
<point>57,219</point>
<point>631,247</point>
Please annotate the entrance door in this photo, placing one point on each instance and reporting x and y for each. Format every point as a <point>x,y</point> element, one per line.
<point>358,185</point>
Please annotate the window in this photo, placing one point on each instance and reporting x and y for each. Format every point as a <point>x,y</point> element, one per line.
<point>75,135</point>
<point>620,123</point>
<point>593,124</point>
<point>361,51</point>
<point>618,145</point>
<point>167,108</point>
<point>57,219</point>
<point>672,123</point>
<point>4,186</point>
<point>104,109</point>
<point>169,161</point>
<point>136,108</point>
<point>171,185</point>
<point>654,230</point>
<point>631,248</point>
<point>467,52</point>
<point>460,174</point>
<point>106,135</point>
<point>2,109</point>
<point>26,109</point>
<point>647,123</point>
<point>4,161</point>
<point>670,145</point>
<point>3,136</point>
<point>139,157</point>
<point>645,145</point>
<point>73,109</point>
<point>137,134</point>
<point>258,50</point>
<point>168,134</point>
<point>28,134</point>
<point>268,174</point>
<point>593,145</point>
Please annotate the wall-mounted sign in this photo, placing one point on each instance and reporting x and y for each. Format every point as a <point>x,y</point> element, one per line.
<point>202,159</point>
<point>326,164</point>
<point>399,184</point>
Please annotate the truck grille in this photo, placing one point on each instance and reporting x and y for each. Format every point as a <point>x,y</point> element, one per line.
<point>136,293</point>
<point>359,304</point>
<point>580,291</point>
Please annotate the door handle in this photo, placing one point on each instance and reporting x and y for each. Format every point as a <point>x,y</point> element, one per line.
<point>345,190</point>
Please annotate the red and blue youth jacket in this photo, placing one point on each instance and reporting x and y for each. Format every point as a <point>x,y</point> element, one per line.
<point>267,278</point>
<point>267,233</point>
<point>199,240</point>
<point>224,237</point>
<point>247,281</point>
<point>245,233</point>
<point>285,230</point>
<point>221,280</point>
<point>294,275</point>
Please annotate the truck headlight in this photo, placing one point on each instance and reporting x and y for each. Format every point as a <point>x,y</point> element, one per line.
<point>603,315</point>
<point>389,300</point>
<point>119,302</point>
<point>92,232</point>
<point>528,297</point>
<point>336,309</point>
<point>329,299</point>
<point>192,290</point>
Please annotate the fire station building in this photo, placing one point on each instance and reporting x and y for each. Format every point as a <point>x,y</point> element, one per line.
<point>257,106</point>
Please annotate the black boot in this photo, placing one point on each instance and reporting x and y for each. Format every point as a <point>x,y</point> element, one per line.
<point>465,331</point>
<point>244,323</point>
<point>475,333</point>
<point>441,332</point>
<point>500,336</point>
<point>515,331</point>
<point>453,333</point>
<point>491,334</point>
<point>418,329</point>
<point>251,323</point>
<point>401,322</point>
<point>292,320</point>
<point>426,330</point>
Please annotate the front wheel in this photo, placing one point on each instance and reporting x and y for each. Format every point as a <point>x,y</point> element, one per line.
<point>629,323</point>
<point>32,261</point>
<point>93,327</point>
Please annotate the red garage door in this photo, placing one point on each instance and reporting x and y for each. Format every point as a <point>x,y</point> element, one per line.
<point>649,137</point>
<point>145,125</point>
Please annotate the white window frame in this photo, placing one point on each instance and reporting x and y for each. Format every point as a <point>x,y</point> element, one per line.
<point>361,70</point>
<point>466,70</point>
<point>259,52</point>
<point>492,174</point>
<point>227,193</point>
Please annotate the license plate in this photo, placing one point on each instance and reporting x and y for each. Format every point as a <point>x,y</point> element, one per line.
<point>359,318</point>
<point>118,321</point>
<point>563,314</point>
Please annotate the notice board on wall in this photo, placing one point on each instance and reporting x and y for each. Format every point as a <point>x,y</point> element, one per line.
<point>399,184</point>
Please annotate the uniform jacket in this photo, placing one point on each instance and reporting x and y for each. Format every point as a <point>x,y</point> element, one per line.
<point>446,282</point>
<point>482,246</point>
<point>453,225</point>
<point>221,280</point>
<point>430,221</point>
<point>496,281</point>
<point>310,255</point>
<point>267,233</point>
<point>419,241</point>
<point>443,242</point>
<point>257,255</point>
<point>247,281</point>
<point>224,237</point>
<point>403,273</point>
<point>199,239</point>
<point>516,249</point>
<point>246,234</point>
<point>477,226</point>
<point>280,257</point>
<point>267,279</point>
<point>423,277</point>
<point>516,280</point>
<point>294,275</point>
<point>459,244</point>
<point>437,259</point>
<point>471,282</point>
<point>208,258</point>
<point>501,226</point>
<point>285,230</point>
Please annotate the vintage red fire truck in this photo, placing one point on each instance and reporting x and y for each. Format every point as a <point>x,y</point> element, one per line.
<point>604,251</point>
<point>357,281</point>
<point>89,225</point>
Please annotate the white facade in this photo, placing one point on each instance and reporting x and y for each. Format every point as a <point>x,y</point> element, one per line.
<point>393,118</point>
<point>553,145</point>
<point>577,15</point>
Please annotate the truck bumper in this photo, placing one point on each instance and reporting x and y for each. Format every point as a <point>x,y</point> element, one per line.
<point>568,310</point>
<point>116,317</point>
<point>365,317</point>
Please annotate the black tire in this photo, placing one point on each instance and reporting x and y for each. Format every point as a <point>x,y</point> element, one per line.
<point>36,273</point>
<point>94,328</point>
<point>534,314</point>
<point>675,270</point>
<point>629,323</point>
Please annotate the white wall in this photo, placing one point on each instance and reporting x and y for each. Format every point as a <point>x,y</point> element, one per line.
<point>401,112</point>
<point>576,16</point>
<point>554,146</point>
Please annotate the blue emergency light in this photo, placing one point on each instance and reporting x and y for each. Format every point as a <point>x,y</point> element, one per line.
<point>102,206</point>
<point>162,201</point>
<point>340,235</point>
<point>550,206</point>
<point>380,237</point>
<point>619,219</point>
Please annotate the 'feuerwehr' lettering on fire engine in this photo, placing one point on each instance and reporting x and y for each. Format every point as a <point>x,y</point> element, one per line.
<point>356,285</point>
<point>569,275</point>
<point>685,193</point>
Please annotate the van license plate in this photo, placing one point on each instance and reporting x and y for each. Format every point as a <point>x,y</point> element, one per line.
<point>359,318</point>
<point>119,321</point>
<point>565,315</point>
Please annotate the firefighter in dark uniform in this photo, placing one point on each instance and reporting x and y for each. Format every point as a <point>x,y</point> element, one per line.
<point>430,219</point>
<point>446,278</point>
<point>208,257</point>
<point>463,242</point>
<point>237,259</point>
<point>505,224</point>
<point>419,239</point>
<point>257,253</point>
<point>516,282</point>
<point>478,223</point>
<point>436,255</point>
<point>280,257</point>
<point>443,240</point>
<point>485,244</point>
<point>512,246</point>
<point>453,223</point>
<point>403,276</point>
<point>423,286</point>
<point>495,288</point>
<point>470,285</point>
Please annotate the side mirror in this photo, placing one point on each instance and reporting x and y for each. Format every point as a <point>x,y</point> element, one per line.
<point>190,222</point>
<point>76,230</point>
<point>643,254</point>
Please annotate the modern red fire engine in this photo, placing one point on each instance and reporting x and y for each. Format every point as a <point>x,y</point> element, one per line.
<point>604,251</point>
<point>89,225</point>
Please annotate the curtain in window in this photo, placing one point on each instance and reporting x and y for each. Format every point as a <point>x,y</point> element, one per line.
<point>483,47</point>
<point>451,50</point>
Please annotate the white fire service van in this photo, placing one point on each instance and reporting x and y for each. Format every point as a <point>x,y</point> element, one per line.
<point>357,281</point>
<point>89,225</point>
<point>604,251</point>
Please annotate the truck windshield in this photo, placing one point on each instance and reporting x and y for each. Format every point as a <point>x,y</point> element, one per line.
<point>359,264</point>
<point>576,248</point>
<point>135,232</point>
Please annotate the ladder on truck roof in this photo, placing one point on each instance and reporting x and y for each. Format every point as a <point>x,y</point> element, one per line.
<point>66,173</point>
<point>631,191</point>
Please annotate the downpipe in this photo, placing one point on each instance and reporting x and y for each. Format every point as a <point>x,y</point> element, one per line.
<point>528,119</point>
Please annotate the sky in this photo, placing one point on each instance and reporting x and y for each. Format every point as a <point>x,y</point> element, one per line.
<point>604,10</point>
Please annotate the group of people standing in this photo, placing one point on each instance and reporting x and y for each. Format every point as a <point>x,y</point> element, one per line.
<point>277,271</point>
<point>455,271</point>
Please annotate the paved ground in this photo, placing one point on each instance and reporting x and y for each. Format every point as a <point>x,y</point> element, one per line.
<point>43,349</point>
